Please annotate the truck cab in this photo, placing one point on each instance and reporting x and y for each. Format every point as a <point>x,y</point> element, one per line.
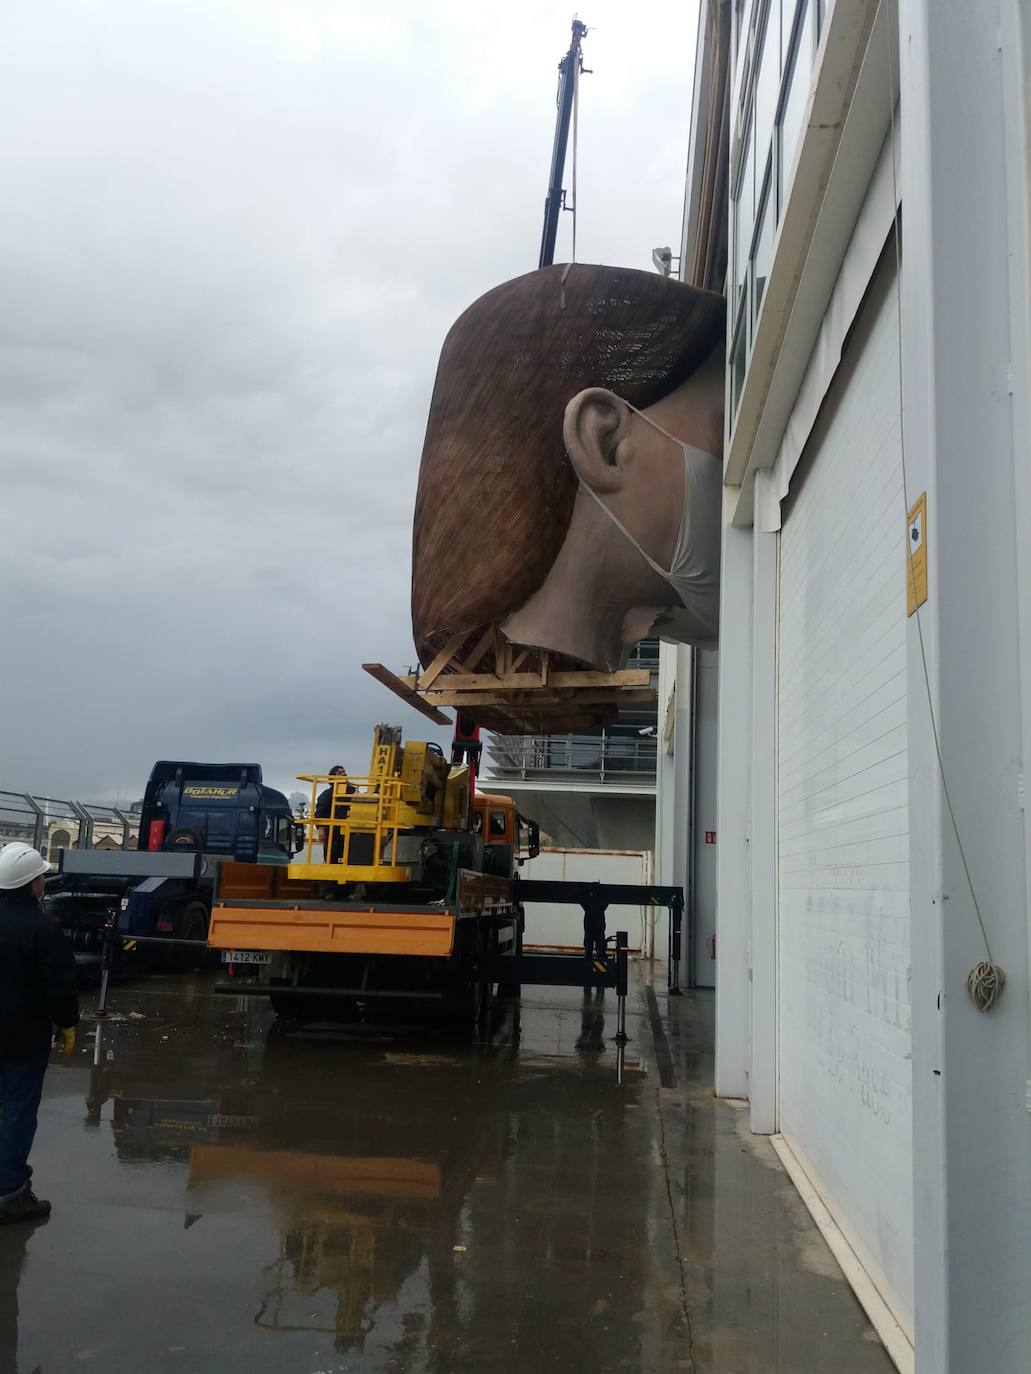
<point>224,810</point>
<point>193,815</point>
<point>497,822</point>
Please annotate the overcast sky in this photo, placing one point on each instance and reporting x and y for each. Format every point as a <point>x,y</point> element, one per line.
<point>235,233</point>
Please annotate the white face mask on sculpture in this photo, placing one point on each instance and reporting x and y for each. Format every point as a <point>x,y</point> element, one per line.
<point>694,572</point>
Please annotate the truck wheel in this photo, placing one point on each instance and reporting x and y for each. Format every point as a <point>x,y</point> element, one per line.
<point>182,838</point>
<point>192,924</point>
<point>469,1001</point>
<point>488,991</point>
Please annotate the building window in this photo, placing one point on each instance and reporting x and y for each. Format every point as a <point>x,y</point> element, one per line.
<point>796,93</point>
<point>762,256</point>
<point>739,22</point>
<point>744,216</point>
<point>742,38</point>
<point>738,351</point>
<point>767,81</point>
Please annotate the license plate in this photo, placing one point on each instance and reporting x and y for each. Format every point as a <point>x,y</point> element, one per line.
<point>246,956</point>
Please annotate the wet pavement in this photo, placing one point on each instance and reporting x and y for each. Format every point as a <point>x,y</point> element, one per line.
<point>229,1198</point>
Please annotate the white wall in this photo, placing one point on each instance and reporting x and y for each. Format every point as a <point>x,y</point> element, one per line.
<point>669,826</point>
<point>733,813</point>
<point>703,877</point>
<point>686,807</point>
<point>555,925</point>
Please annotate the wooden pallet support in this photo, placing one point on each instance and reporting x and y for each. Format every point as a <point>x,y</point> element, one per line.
<point>512,688</point>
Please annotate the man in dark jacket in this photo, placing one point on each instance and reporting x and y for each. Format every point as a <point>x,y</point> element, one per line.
<point>324,809</point>
<point>595,907</point>
<point>37,993</point>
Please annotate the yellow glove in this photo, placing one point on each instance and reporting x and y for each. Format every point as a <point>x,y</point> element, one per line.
<point>67,1039</point>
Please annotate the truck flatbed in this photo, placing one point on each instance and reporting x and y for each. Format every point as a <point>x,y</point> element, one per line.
<point>264,909</point>
<point>329,928</point>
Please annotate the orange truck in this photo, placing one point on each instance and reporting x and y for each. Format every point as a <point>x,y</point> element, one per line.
<point>402,891</point>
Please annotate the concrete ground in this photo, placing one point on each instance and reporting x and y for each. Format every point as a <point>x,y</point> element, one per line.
<point>229,1198</point>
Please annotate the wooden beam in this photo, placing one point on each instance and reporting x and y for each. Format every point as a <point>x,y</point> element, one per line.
<point>518,702</point>
<point>402,689</point>
<point>545,697</point>
<point>473,660</point>
<point>517,662</point>
<point>429,677</point>
<point>502,653</point>
<point>471,682</point>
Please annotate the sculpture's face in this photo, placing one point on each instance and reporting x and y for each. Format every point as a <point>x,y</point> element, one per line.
<point>641,554</point>
<point>634,469</point>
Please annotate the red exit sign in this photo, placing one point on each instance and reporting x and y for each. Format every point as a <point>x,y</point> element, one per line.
<point>710,837</point>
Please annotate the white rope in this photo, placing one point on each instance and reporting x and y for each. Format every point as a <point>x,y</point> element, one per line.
<point>985,983</point>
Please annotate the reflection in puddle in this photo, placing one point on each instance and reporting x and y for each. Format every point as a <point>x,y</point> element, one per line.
<point>361,1151</point>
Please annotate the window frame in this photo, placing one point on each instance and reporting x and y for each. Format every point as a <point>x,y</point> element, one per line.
<point>493,833</point>
<point>762,201</point>
<point>805,12</point>
<point>741,281</point>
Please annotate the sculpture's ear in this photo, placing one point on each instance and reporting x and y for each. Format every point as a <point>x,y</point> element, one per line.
<point>594,429</point>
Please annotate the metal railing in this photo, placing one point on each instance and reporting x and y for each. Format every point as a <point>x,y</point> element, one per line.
<point>372,803</point>
<point>595,756</point>
<point>51,824</point>
<point>645,654</point>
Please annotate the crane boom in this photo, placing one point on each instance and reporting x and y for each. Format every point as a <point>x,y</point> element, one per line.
<point>569,69</point>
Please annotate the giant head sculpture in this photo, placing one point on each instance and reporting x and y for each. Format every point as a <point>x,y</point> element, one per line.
<point>570,483</point>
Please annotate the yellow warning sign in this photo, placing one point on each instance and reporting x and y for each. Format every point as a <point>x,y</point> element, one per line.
<point>916,554</point>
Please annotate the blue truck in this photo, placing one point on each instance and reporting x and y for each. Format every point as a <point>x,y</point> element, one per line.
<point>193,815</point>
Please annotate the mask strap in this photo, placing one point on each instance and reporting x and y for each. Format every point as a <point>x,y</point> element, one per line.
<point>624,531</point>
<point>649,421</point>
<point>657,567</point>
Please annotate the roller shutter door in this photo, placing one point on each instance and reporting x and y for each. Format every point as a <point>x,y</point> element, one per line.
<point>843,925</point>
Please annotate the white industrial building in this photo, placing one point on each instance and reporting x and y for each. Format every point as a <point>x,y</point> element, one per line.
<point>842,790</point>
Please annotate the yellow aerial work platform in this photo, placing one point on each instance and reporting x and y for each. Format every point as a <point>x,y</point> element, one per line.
<point>377,822</point>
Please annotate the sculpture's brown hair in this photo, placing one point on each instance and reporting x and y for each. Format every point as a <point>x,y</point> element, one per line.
<point>495,486</point>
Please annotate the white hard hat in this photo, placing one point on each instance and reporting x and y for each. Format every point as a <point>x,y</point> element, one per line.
<point>19,864</point>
